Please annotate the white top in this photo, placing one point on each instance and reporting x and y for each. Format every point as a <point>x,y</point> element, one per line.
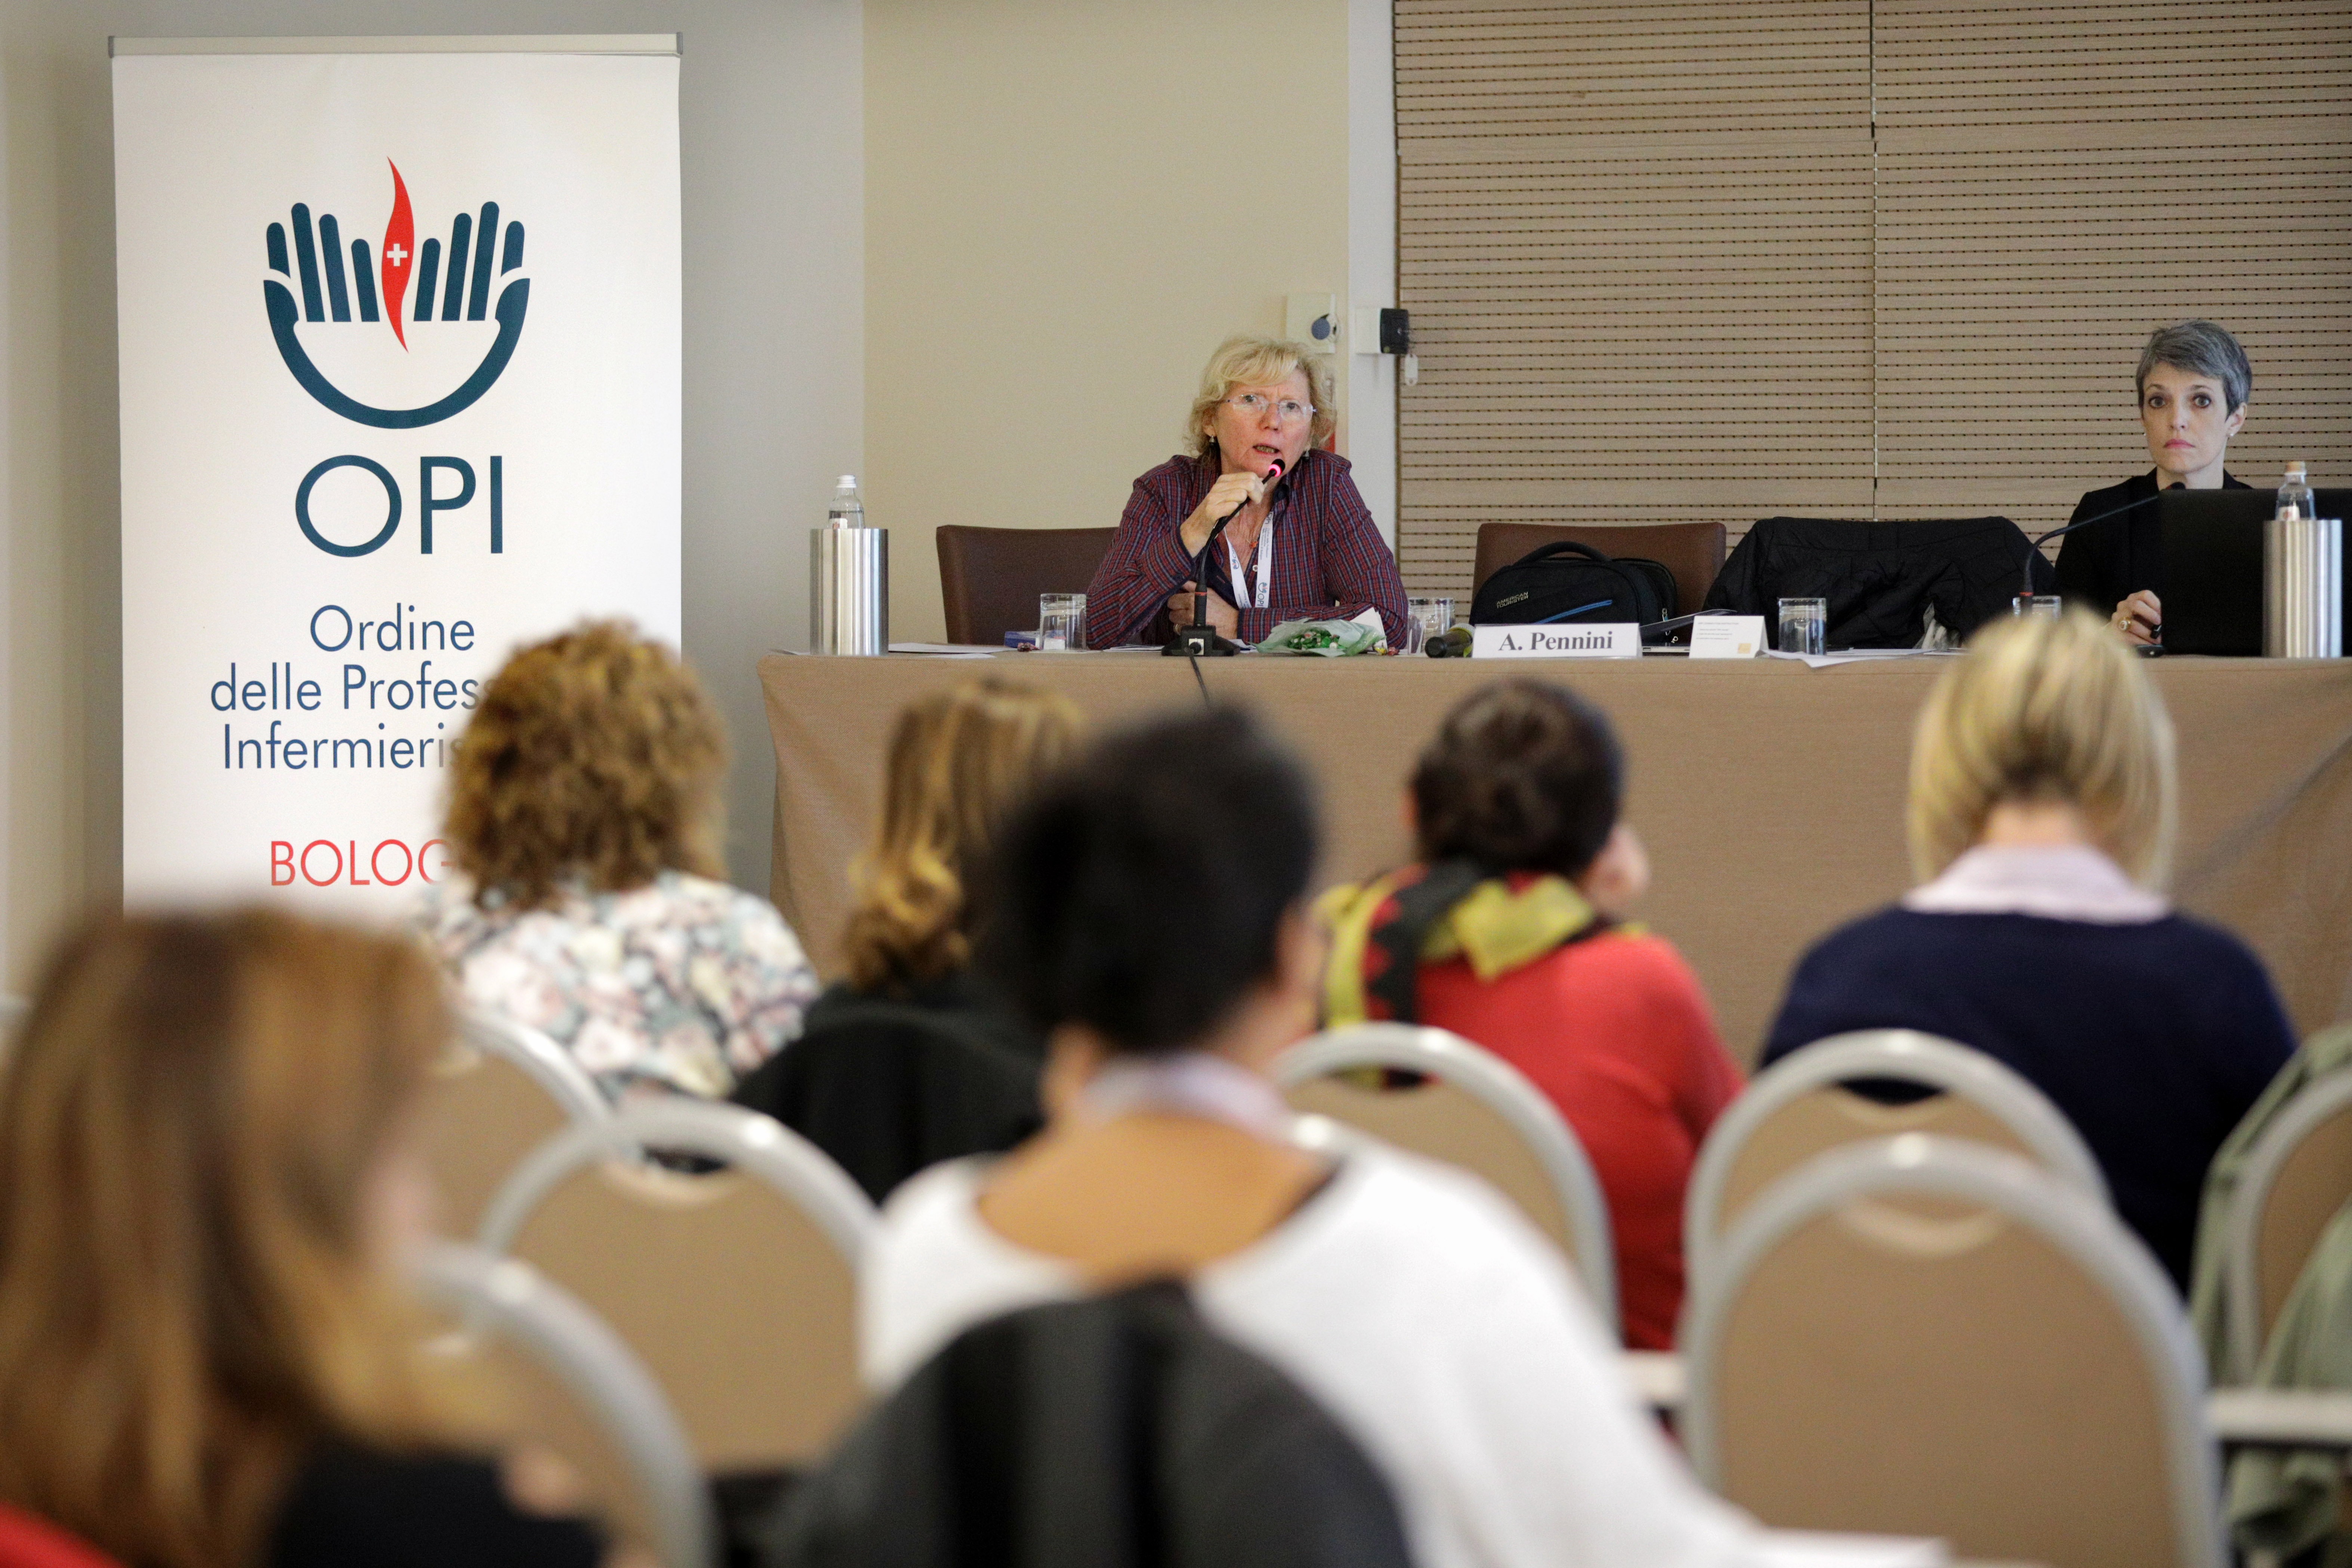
<point>1432,1320</point>
<point>2069,882</point>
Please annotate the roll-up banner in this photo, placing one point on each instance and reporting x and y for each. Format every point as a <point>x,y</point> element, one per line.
<point>400,391</point>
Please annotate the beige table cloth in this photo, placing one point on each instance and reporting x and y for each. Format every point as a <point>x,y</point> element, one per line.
<point>1770,795</point>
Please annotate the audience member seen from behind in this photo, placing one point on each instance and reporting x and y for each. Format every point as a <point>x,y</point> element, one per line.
<point>906,1062</point>
<point>207,1193</point>
<point>2042,817</point>
<point>1149,917</point>
<point>2192,386</point>
<point>1302,545</point>
<point>584,824</point>
<point>1507,931</point>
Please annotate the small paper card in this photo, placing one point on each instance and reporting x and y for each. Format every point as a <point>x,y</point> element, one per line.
<point>1607,640</point>
<point>1727,636</point>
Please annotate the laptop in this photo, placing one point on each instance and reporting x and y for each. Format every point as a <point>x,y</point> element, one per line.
<point>2211,548</point>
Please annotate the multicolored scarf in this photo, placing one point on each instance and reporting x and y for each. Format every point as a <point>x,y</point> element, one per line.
<point>1385,930</point>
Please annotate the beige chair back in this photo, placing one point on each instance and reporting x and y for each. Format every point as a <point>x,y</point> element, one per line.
<point>2296,1176</point>
<point>1800,1108</point>
<point>498,1092</point>
<point>533,1367</point>
<point>1923,1337</point>
<point>737,1289</point>
<point>1472,1110</point>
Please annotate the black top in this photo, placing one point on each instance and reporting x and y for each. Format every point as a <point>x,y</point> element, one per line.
<point>2152,1039</point>
<point>888,1083</point>
<point>356,1508</point>
<point>2107,563</point>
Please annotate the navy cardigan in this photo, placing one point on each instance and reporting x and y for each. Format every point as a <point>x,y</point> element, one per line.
<point>2153,1039</point>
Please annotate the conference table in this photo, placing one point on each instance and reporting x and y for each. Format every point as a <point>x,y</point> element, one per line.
<point>1770,794</point>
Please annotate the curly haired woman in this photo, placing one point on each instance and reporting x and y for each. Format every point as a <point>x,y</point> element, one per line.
<point>584,824</point>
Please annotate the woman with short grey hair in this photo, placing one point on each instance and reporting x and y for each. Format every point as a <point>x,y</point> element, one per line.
<point>2193,384</point>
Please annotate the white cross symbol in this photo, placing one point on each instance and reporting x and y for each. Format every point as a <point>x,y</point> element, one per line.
<point>396,255</point>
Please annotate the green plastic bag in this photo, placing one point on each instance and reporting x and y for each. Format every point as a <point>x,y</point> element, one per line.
<point>1327,640</point>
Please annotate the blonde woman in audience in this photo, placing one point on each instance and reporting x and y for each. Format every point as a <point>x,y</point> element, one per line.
<point>585,825</point>
<point>1149,918</point>
<point>207,1192</point>
<point>2042,826</point>
<point>907,1061</point>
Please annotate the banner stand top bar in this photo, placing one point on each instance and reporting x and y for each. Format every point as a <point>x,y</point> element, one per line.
<point>450,44</point>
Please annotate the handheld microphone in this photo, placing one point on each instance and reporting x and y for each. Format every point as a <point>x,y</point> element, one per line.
<point>1201,638</point>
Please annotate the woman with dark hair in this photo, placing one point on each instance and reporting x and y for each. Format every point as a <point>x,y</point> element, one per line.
<point>1507,931</point>
<point>1148,914</point>
<point>2193,383</point>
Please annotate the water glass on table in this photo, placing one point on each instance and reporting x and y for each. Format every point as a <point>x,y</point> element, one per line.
<point>1424,619</point>
<point>2036,604</point>
<point>1061,622</point>
<point>1804,626</point>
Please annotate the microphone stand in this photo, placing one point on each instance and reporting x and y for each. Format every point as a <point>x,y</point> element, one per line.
<point>1201,640</point>
<point>2035,545</point>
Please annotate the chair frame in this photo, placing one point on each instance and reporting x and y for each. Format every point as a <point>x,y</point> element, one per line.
<point>1501,1088</point>
<point>573,1345</point>
<point>1928,1060</point>
<point>549,1065</point>
<point>2318,1100</point>
<point>759,1145</point>
<point>1924,1165</point>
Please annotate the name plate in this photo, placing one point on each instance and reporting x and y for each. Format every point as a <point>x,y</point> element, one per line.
<point>1605,639</point>
<point>1727,636</point>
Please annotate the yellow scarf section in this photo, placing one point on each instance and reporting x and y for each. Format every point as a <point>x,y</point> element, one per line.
<point>1496,929</point>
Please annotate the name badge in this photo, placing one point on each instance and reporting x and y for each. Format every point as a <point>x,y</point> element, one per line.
<point>1605,639</point>
<point>1727,636</point>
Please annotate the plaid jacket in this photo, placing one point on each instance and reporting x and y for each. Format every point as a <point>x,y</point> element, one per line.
<point>1328,560</point>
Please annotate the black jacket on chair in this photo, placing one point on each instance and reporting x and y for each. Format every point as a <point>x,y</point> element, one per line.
<point>1119,1432</point>
<point>1880,578</point>
<point>889,1085</point>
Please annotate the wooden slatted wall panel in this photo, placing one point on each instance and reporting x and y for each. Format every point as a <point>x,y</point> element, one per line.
<point>2055,180</point>
<point>1635,240</point>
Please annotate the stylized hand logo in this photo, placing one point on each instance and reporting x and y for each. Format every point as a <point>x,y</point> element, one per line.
<point>457,301</point>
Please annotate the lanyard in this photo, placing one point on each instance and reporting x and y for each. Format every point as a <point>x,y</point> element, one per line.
<point>1261,595</point>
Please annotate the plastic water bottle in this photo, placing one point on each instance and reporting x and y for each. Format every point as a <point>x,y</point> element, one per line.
<point>2303,575</point>
<point>2295,498</point>
<point>846,510</point>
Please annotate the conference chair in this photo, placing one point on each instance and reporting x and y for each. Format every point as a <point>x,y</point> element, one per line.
<point>1800,1106</point>
<point>1926,1336</point>
<point>1472,1109</point>
<point>1693,551</point>
<point>2295,1178</point>
<point>564,1381</point>
<point>737,1288</point>
<point>499,1092</point>
<point>990,577</point>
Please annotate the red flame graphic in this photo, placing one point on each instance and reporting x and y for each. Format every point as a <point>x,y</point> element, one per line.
<point>399,254</point>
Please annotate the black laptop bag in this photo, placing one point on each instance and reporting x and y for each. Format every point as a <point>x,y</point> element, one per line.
<point>1566,583</point>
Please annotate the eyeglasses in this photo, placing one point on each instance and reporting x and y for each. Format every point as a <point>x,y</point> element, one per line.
<point>1289,411</point>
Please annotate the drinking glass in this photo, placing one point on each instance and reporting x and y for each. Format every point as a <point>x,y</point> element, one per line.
<point>2036,604</point>
<point>1061,622</point>
<point>1424,619</point>
<point>1804,626</point>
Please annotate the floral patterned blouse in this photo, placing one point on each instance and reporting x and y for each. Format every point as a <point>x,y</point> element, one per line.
<point>683,985</point>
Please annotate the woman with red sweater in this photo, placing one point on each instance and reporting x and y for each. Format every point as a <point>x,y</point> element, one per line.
<point>1511,919</point>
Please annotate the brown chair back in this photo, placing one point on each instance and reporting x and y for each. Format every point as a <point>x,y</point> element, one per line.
<point>2312,1183</point>
<point>990,577</point>
<point>2001,1367</point>
<point>482,1114</point>
<point>1693,551</point>
<point>737,1302</point>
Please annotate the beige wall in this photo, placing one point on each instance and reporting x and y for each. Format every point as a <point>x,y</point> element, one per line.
<point>1067,204</point>
<point>770,120</point>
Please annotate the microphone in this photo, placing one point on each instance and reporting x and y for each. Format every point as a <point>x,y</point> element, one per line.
<point>1201,638</point>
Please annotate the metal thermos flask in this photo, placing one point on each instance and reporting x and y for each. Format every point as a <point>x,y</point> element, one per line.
<point>849,580</point>
<point>2302,578</point>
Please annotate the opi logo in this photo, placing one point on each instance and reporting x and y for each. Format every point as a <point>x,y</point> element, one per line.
<point>452,290</point>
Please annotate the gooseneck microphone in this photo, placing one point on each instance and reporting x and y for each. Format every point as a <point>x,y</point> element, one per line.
<point>1201,638</point>
<point>2038,539</point>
